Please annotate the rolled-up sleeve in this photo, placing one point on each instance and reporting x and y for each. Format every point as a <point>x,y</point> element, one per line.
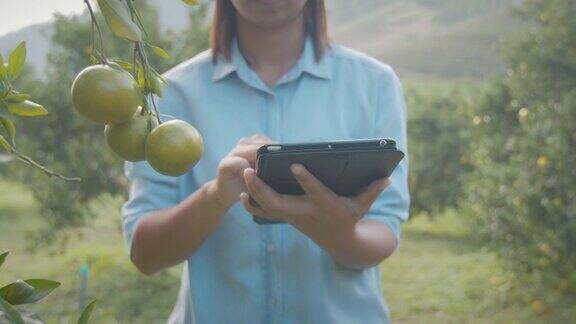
<point>392,206</point>
<point>149,191</point>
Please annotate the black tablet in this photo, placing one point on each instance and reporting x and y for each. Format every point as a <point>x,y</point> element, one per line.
<point>346,167</point>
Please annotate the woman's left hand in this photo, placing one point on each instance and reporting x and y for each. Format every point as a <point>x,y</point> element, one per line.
<point>319,212</point>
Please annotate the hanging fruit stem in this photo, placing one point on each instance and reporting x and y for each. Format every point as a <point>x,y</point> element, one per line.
<point>101,53</point>
<point>149,96</point>
<point>141,57</point>
<point>135,14</point>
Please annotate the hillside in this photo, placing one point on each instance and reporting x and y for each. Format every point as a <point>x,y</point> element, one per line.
<point>172,15</point>
<point>433,38</point>
<point>419,38</point>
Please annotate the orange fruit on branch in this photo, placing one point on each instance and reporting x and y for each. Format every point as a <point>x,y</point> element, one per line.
<point>128,139</point>
<point>105,95</point>
<point>174,147</point>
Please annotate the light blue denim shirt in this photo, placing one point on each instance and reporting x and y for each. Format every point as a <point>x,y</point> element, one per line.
<point>248,273</point>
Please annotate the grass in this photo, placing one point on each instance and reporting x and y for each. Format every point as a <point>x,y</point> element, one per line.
<point>124,296</point>
<point>437,276</point>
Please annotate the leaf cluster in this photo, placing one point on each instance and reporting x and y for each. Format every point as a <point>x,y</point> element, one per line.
<point>12,102</point>
<point>22,292</point>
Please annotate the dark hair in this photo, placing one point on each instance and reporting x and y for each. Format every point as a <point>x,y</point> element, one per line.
<point>224,27</point>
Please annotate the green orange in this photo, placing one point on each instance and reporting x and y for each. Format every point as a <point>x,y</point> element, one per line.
<point>128,139</point>
<point>174,147</point>
<point>105,95</point>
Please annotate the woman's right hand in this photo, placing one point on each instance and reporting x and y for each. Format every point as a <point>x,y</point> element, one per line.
<point>229,182</point>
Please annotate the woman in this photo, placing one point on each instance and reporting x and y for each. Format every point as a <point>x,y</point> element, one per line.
<point>272,76</point>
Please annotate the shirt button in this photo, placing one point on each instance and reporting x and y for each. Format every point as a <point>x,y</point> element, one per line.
<point>271,248</point>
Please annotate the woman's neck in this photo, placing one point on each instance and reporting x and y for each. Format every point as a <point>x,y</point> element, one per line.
<point>271,52</point>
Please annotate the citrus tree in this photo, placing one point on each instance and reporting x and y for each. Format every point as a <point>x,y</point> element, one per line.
<point>522,192</point>
<point>439,139</point>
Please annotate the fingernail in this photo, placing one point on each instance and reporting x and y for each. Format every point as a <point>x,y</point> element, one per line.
<point>296,168</point>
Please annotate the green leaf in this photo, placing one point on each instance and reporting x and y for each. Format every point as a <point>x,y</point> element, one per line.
<point>141,79</point>
<point>15,97</point>
<point>154,84</point>
<point>87,313</point>
<point>160,51</point>
<point>5,145</point>
<point>119,20</point>
<point>3,257</point>
<point>27,291</point>
<point>2,68</point>
<point>16,61</point>
<point>10,128</point>
<point>125,65</point>
<point>191,2</point>
<point>27,109</point>
<point>16,292</point>
<point>11,312</point>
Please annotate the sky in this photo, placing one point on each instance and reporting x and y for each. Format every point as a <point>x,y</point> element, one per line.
<point>15,14</point>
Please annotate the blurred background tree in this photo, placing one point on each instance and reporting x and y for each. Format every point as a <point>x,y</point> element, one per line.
<point>438,142</point>
<point>522,193</point>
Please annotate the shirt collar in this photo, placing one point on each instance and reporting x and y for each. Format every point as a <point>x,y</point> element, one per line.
<point>321,69</point>
<point>223,67</point>
<point>306,63</point>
